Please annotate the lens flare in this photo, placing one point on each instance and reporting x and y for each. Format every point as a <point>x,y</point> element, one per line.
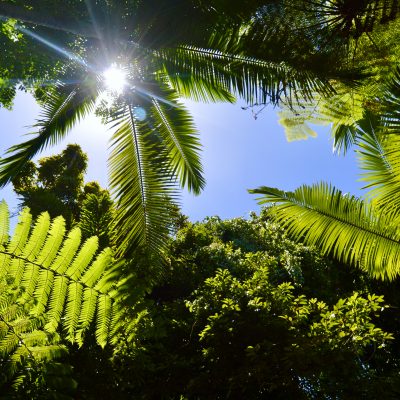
<point>115,79</point>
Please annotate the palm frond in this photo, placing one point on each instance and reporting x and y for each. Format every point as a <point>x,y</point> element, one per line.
<point>182,143</point>
<point>141,181</point>
<point>338,224</point>
<point>390,103</point>
<point>197,89</point>
<point>63,108</point>
<point>255,80</point>
<point>379,156</point>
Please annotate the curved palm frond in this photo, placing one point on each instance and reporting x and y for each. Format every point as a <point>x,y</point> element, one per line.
<point>255,80</point>
<point>338,224</point>
<point>63,108</point>
<point>379,157</point>
<point>141,181</point>
<point>179,137</point>
<point>390,103</point>
<point>199,89</point>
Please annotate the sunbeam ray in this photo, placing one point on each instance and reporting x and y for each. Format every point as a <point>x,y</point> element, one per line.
<point>149,96</point>
<point>67,54</point>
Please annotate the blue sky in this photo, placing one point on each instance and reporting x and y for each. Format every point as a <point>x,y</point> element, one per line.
<point>239,153</point>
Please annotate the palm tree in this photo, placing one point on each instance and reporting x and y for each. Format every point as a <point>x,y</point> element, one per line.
<point>155,146</point>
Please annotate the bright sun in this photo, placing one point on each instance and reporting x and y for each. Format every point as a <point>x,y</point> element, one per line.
<point>114,79</point>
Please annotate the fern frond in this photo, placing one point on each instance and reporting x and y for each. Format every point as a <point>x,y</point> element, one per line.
<point>87,312</point>
<point>49,352</point>
<point>16,245</point>
<point>54,278</point>
<point>102,262</point>
<point>67,252</point>
<point>42,292</point>
<point>37,237</point>
<point>21,233</point>
<point>53,242</point>
<point>57,300</point>
<point>29,280</point>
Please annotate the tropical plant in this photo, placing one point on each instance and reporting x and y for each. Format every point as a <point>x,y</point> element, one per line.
<point>353,39</point>
<point>52,287</point>
<point>359,232</point>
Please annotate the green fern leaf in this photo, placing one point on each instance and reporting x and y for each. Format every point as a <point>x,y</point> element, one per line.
<point>29,280</point>
<point>73,310</point>
<point>83,258</point>
<point>42,292</point>
<point>104,315</point>
<point>87,313</point>
<point>16,244</point>
<point>53,242</point>
<point>67,252</point>
<point>37,237</point>
<point>57,300</point>
<point>21,233</point>
<point>93,274</point>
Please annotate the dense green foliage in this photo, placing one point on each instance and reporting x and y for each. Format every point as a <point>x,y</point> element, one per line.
<point>239,311</point>
<point>243,312</point>
<point>55,185</point>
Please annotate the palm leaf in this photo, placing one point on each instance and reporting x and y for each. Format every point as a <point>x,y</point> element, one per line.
<point>197,89</point>
<point>180,138</point>
<point>255,80</point>
<point>63,108</point>
<point>338,224</point>
<point>390,103</point>
<point>140,182</point>
<point>379,157</point>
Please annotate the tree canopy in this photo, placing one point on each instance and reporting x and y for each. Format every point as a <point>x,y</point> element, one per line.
<point>115,294</point>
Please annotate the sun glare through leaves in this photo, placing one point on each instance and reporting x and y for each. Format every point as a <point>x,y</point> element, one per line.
<point>115,79</point>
